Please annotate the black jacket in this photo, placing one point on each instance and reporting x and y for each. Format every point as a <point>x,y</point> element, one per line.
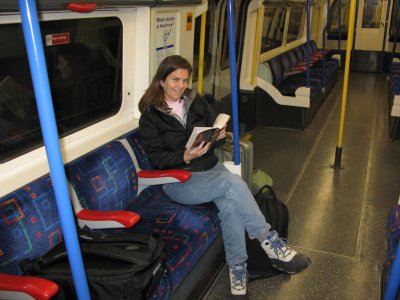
<point>165,136</point>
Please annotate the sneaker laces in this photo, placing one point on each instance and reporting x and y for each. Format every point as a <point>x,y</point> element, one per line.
<point>279,245</point>
<point>239,278</point>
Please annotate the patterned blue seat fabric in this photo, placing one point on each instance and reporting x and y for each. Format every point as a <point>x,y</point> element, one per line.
<point>29,224</point>
<point>106,179</point>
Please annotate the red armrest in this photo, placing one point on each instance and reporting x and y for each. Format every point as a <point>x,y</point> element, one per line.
<point>35,287</point>
<point>181,175</point>
<point>124,217</point>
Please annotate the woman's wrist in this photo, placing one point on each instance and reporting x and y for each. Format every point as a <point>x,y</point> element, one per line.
<point>186,157</point>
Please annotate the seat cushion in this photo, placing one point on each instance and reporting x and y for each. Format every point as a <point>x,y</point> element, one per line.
<point>187,231</point>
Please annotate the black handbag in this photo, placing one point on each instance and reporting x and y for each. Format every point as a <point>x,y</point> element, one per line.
<point>127,266</point>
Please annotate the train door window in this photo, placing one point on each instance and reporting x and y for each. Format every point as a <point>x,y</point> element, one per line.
<point>343,12</point>
<point>83,58</point>
<point>273,28</point>
<point>209,31</point>
<point>295,29</point>
<point>225,45</point>
<point>372,13</point>
<point>395,24</point>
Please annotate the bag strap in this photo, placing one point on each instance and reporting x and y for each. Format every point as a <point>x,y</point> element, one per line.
<point>121,247</point>
<point>266,188</point>
<point>89,236</point>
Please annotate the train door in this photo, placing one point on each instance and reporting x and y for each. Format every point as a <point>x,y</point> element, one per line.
<point>220,60</point>
<point>370,25</point>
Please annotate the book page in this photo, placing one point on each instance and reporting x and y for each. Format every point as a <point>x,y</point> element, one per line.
<point>221,120</point>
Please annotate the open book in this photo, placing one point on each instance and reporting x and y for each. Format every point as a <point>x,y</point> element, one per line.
<point>207,134</point>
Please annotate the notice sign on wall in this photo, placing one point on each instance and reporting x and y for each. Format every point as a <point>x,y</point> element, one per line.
<point>165,36</point>
<point>57,39</point>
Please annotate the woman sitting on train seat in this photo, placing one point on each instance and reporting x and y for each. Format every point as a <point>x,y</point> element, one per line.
<point>73,91</point>
<point>170,110</point>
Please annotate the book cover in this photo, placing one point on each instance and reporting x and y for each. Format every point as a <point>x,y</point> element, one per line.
<point>207,134</point>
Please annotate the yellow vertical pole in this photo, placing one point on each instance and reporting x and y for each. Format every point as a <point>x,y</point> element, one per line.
<point>256,45</point>
<point>201,53</point>
<point>338,154</point>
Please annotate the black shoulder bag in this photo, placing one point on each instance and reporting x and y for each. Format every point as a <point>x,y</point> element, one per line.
<point>127,266</point>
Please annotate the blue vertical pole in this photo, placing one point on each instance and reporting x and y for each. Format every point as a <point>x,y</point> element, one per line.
<point>308,43</point>
<point>384,35</point>
<point>328,24</point>
<point>340,24</point>
<point>232,61</point>
<point>355,27</point>
<point>37,63</point>
<point>394,277</point>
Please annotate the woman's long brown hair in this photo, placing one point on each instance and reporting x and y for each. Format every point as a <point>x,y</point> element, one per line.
<point>154,95</point>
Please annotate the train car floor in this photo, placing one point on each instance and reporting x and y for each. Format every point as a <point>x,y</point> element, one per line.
<point>337,216</point>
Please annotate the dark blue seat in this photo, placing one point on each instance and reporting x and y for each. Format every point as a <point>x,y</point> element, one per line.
<point>29,224</point>
<point>288,86</point>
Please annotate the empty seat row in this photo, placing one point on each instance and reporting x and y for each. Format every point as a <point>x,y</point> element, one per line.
<point>289,73</point>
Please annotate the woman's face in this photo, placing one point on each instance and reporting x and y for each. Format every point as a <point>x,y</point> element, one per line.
<point>175,84</point>
<point>64,68</point>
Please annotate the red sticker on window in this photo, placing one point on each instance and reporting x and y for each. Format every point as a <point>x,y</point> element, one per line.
<point>57,39</point>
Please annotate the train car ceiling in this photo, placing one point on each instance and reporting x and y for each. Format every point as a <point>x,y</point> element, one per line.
<point>55,5</point>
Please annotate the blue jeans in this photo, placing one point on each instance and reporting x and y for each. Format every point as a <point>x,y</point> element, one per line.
<point>238,211</point>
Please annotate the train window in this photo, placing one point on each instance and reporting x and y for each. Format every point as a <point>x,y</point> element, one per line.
<point>395,23</point>
<point>225,45</point>
<point>343,12</point>
<point>295,29</point>
<point>207,49</point>
<point>372,13</point>
<point>273,28</point>
<point>83,58</point>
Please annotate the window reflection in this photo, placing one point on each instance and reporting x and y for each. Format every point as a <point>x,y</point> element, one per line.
<point>395,24</point>
<point>83,60</point>
<point>343,12</point>
<point>273,28</point>
<point>372,13</point>
<point>295,23</point>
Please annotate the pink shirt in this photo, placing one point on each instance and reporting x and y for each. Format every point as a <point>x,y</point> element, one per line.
<point>177,108</point>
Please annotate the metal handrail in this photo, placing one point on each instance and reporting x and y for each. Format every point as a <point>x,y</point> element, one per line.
<point>37,63</point>
<point>234,91</point>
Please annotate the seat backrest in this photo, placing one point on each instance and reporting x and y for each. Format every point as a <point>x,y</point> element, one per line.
<point>292,57</point>
<point>277,69</point>
<point>286,63</point>
<point>105,178</point>
<point>314,47</point>
<point>135,141</point>
<point>299,53</point>
<point>29,224</point>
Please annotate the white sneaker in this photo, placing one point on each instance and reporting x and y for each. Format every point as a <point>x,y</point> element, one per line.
<point>238,276</point>
<point>282,256</point>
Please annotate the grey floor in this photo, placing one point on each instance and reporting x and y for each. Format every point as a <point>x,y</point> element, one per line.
<point>337,217</point>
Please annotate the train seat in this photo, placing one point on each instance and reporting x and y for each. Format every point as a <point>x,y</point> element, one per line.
<point>394,101</point>
<point>29,227</point>
<point>106,179</point>
<point>288,85</point>
<point>393,237</point>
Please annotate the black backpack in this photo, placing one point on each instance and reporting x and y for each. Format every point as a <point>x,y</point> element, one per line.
<point>277,215</point>
<point>126,266</point>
